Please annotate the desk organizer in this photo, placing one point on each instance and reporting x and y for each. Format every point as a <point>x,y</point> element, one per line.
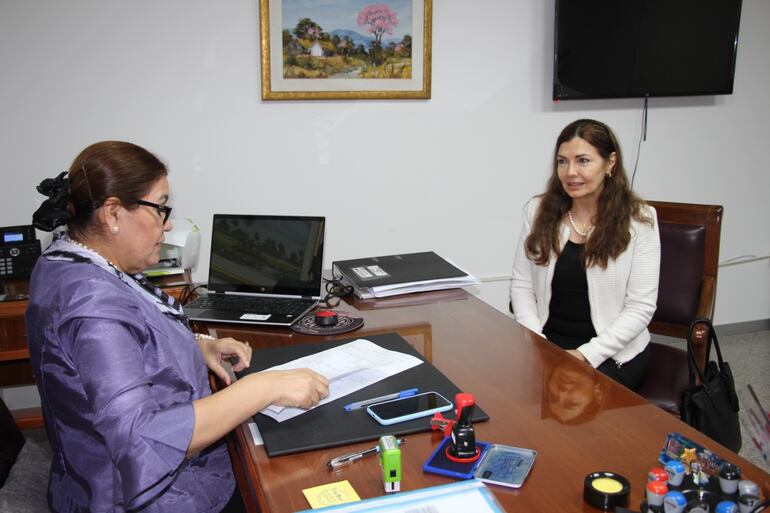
<point>708,480</point>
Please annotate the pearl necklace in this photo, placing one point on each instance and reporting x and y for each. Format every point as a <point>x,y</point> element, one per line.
<point>83,246</point>
<point>574,226</point>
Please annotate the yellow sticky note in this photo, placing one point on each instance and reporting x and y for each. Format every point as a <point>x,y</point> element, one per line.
<point>331,494</point>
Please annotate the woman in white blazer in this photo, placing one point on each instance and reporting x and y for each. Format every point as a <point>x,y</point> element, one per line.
<point>586,268</point>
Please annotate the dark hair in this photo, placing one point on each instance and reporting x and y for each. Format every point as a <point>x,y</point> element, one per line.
<point>617,203</point>
<point>103,170</point>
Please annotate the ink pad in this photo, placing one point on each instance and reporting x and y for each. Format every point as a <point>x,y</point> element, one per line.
<point>605,490</point>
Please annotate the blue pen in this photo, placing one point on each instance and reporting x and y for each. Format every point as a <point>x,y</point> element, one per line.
<point>367,402</point>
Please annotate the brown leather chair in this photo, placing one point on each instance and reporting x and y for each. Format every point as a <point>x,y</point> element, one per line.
<point>689,244</point>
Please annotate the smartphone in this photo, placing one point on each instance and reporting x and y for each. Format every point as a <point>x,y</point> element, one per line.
<point>408,408</point>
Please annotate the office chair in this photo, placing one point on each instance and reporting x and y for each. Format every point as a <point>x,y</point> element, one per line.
<point>689,243</point>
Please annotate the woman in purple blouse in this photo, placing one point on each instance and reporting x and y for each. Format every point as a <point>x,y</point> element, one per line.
<point>123,381</point>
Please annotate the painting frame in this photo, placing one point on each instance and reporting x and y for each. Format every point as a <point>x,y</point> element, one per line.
<point>276,87</point>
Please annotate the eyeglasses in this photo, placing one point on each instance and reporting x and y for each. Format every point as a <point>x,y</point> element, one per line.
<point>163,210</point>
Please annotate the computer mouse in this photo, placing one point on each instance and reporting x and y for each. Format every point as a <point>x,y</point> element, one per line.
<point>326,318</point>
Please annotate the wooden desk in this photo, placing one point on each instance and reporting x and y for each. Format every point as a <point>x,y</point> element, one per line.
<point>507,369</point>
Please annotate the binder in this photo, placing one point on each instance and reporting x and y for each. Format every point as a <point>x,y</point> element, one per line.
<point>389,275</point>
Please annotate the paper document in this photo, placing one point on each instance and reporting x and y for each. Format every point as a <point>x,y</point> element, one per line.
<point>255,434</point>
<point>348,368</point>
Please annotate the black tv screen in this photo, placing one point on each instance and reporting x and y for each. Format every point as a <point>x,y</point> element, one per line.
<point>640,48</point>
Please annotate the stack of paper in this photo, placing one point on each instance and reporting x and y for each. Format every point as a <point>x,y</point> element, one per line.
<point>348,368</point>
<point>391,275</point>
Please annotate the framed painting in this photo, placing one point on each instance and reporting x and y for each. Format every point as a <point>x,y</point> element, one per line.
<point>345,49</point>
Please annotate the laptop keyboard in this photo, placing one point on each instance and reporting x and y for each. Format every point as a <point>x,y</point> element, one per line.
<point>252,304</point>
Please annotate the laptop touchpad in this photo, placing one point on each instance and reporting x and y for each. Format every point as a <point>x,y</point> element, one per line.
<point>255,317</point>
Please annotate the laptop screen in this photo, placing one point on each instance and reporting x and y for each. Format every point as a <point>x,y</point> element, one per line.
<point>266,254</point>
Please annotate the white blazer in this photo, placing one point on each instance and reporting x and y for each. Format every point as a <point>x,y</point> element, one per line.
<point>623,296</point>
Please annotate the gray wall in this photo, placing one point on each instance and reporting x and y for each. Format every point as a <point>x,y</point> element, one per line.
<point>182,78</point>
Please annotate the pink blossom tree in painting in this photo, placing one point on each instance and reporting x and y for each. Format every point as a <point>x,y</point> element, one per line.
<point>379,18</point>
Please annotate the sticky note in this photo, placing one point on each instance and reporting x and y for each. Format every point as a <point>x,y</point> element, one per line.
<point>331,494</point>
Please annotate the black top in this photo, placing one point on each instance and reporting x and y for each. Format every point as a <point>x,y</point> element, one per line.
<point>569,313</point>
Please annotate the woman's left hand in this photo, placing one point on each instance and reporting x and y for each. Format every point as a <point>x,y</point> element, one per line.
<point>577,354</point>
<point>214,351</point>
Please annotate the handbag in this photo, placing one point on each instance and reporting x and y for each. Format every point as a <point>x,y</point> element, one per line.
<point>712,406</point>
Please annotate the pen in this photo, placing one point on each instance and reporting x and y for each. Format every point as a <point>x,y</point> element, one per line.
<point>346,459</point>
<point>367,402</point>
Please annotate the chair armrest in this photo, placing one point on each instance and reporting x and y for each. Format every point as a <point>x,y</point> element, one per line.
<point>708,294</point>
<point>700,332</point>
<point>700,335</point>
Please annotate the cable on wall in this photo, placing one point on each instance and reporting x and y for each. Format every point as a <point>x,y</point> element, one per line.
<point>642,137</point>
<point>743,259</point>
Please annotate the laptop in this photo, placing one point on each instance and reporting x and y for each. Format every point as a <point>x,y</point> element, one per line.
<point>263,270</point>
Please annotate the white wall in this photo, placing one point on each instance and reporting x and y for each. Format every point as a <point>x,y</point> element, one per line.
<point>181,77</point>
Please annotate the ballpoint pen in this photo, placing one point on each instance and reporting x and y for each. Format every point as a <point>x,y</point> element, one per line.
<point>367,402</point>
<point>346,459</point>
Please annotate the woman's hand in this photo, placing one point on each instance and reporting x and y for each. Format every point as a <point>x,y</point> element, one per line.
<point>216,350</point>
<point>577,354</point>
<point>297,388</point>
<point>219,413</point>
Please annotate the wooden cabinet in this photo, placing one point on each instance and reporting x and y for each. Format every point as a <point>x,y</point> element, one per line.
<point>14,355</point>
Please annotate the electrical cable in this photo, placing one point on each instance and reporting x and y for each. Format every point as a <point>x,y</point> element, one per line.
<point>642,137</point>
<point>742,259</point>
<point>188,293</point>
<point>335,288</point>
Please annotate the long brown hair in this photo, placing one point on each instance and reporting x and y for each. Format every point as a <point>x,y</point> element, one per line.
<point>106,169</point>
<point>617,204</point>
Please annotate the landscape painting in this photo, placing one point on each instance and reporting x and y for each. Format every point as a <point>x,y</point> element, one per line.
<point>346,49</point>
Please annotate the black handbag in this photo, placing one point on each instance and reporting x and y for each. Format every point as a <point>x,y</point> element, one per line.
<point>712,407</point>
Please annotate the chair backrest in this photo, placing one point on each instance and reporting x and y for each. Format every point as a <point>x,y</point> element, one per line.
<point>689,245</point>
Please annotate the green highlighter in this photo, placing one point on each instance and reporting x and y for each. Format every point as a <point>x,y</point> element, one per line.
<point>390,461</point>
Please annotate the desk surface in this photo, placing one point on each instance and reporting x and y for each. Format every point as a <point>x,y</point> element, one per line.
<point>518,378</point>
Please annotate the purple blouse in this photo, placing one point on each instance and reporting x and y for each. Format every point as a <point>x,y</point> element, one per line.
<point>117,378</point>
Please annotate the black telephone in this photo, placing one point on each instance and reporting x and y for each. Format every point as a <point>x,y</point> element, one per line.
<point>19,249</point>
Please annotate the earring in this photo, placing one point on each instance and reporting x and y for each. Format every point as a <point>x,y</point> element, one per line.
<point>114,229</point>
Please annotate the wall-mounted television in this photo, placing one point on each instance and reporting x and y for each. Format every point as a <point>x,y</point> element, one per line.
<point>644,48</point>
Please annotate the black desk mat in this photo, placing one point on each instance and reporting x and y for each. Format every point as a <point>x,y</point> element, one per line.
<point>329,425</point>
